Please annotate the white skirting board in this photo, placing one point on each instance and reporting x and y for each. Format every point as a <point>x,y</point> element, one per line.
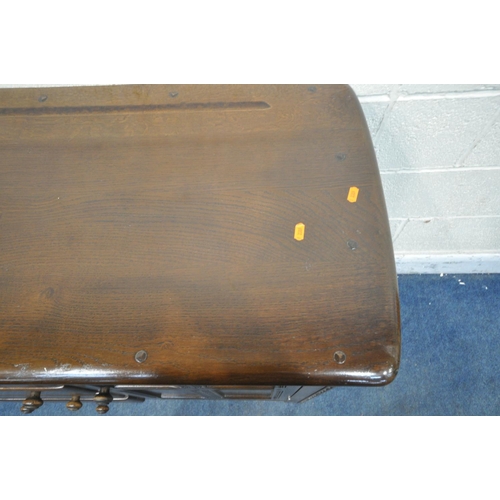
<point>448,264</point>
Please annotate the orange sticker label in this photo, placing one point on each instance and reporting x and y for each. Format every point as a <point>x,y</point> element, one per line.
<point>300,232</point>
<point>353,195</point>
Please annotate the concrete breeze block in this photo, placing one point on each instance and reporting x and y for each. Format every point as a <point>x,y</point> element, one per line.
<point>432,133</point>
<point>374,113</point>
<point>472,235</point>
<point>443,194</point>
<point>443,88</point>
<point>487,152</point>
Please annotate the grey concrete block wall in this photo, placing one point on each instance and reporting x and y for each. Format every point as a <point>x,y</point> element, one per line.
<point>438,148</point>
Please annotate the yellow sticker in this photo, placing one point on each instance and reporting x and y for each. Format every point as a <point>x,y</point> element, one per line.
<point>300,232</point>
<point>353,195</point>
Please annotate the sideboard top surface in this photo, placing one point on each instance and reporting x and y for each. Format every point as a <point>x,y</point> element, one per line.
<point>193,234</point>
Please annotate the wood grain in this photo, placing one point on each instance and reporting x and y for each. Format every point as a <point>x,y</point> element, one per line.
<point>161,218</point>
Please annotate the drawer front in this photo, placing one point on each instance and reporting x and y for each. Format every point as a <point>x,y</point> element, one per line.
<point>33,397</point>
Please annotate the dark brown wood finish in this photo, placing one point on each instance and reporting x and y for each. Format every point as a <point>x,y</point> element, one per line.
<point>147,237</point>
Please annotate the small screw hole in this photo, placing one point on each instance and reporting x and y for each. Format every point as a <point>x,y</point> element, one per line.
<point>352,245</point>
<point>141,356</point>
<point>340,357</point>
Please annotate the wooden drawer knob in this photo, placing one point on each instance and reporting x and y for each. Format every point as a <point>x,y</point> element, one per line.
<point>103,398</point>
<point>75,404</point>
<point>32,403</point>
<point>102,409</point>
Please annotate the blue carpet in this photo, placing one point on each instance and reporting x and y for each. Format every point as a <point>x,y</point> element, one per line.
<point>450,362</point>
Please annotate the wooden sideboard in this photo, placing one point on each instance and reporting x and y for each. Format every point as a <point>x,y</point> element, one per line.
<point>191,241</point>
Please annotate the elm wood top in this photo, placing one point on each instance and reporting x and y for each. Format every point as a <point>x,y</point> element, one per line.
<point>161,218</point>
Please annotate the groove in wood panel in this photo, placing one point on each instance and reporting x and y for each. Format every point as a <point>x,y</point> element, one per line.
<point>198,106</point>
